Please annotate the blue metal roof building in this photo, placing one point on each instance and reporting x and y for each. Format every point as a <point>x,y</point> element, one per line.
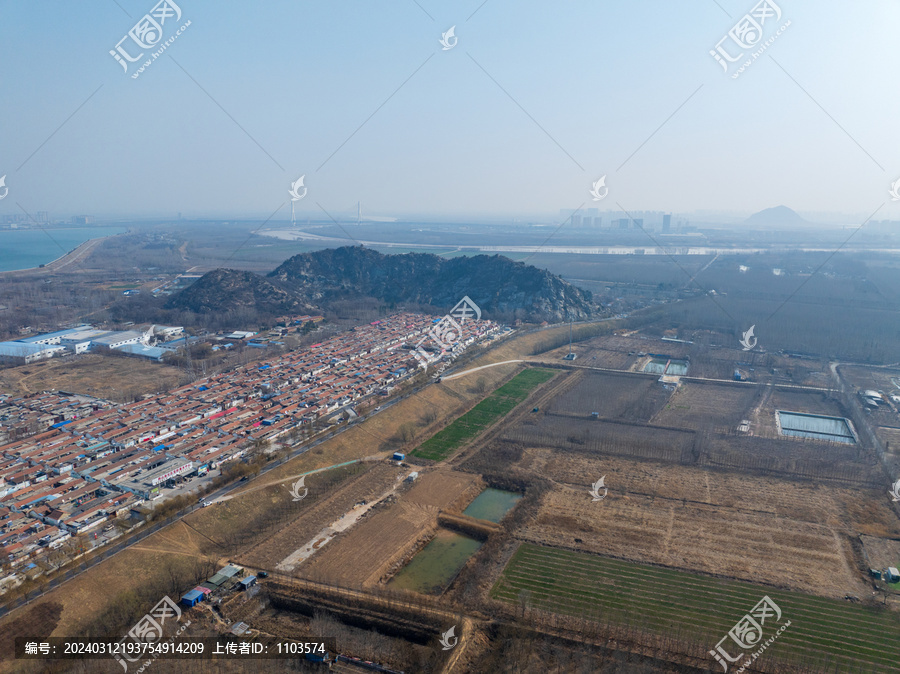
<point>192,598</point>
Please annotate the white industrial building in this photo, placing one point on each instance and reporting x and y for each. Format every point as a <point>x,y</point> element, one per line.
<point>84,338</point>
<point>21,353</point>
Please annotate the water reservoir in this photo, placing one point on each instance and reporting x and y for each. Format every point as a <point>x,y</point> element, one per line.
<point>815,427</point>
<point>432,569</point>
<point>663,365</point>
<point>492,504</point>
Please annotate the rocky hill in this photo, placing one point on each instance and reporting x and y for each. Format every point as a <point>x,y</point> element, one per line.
<point>224,290</point>
<point>498,285</point>
<point>503,289</point>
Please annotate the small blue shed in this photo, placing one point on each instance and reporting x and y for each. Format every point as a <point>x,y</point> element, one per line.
<point>192,598</point>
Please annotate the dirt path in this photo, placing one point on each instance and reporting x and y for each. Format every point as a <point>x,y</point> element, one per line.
<point>343,523</point>
<point>483,367</point>
<point>292,478</point>
<point>763,399</point>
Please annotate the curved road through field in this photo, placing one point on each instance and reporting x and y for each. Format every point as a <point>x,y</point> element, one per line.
<point>475,369</point>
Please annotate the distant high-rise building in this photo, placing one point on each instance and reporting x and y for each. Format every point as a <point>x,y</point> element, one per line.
<point>42,217</point>
<point>639,223</point>
<point>623,223</point>
<point>576,221</point>
<point>83,220</point>
<point>667,222</point>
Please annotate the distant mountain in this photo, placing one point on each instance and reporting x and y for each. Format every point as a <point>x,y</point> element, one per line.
<point>780,216</point>
<point>223,290</point>
<point>498,285</point>
<point>503,289</point>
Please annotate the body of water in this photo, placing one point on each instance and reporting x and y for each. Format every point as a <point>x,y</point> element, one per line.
<point>816,427</point>
<point>27,248</point>
<point>492,504</point>
<point>666,366</point>
<point>437,563</point>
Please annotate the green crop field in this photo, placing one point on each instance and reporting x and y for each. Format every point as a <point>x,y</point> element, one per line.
<point>829,633</point>
<point>497,405</point>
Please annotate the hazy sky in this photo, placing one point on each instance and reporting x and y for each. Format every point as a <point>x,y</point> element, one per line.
<point>534,102</point>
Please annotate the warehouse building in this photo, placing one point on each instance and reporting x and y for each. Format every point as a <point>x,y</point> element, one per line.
<point>168,471</point>
<point>22,353</point>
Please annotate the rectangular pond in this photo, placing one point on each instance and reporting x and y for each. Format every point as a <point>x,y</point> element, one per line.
<point>492,504</point>
<point>432,569</point>
<point>663,365</point>
<point>815,427</point>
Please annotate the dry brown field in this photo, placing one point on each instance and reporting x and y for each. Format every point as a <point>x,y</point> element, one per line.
<point>116,378</point>
<point>708,405</point>
<point>880,553</point>
<point>793,535</point>
<point>709,362</point>
<point>810,402</point>
<point>382,541</point>
<point>612,396</point>
<point>597,436</point>
<point>296,532</point>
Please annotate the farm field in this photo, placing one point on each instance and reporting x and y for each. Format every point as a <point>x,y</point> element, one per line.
<point>722,540</point>
<point>383,540</point>
<point>703,520</point>
<point>500,403</point>
<point>332,502</point>
<point>809,402</point>
<point>865,511</point>
<point>593,436</point>
<point>620,352</point>
<point>852,637</point>
<point>880,553</point>
<point>612,396</point>
<point>710,405</point>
